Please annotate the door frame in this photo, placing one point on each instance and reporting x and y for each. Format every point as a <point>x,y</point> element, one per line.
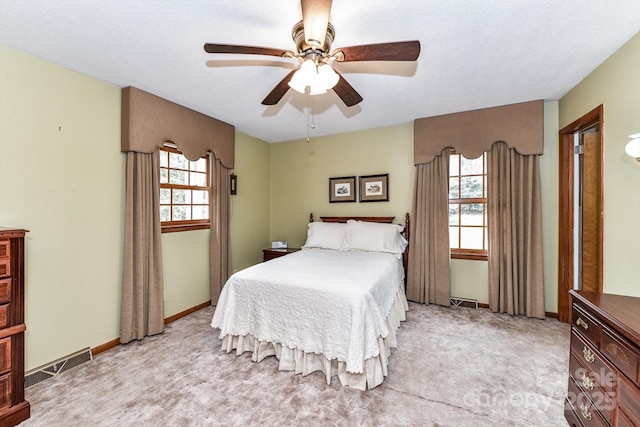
<point>565,206</point>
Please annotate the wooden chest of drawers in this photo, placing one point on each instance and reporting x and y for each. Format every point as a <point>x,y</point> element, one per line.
<point>604,364</point>
<point>13,407</point>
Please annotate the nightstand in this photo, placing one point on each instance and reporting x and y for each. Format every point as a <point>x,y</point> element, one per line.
<point>270,253</point>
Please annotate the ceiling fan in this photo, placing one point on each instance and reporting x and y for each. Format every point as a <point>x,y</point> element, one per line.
<point>313,37</point>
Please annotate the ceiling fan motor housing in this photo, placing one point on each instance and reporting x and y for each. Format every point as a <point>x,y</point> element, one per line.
<point>301,45</point>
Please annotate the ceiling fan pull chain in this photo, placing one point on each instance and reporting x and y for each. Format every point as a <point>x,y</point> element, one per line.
<point>310,122</point>
<point>313,119</point>
<point>308,114</point>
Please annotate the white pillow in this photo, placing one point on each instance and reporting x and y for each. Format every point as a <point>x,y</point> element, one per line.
<point>374,237</point>
<point>326,235</point>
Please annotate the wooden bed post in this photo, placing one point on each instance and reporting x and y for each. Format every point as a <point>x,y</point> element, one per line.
<point>405,255</point>
<point>407,224</point>
<point>311,217</point>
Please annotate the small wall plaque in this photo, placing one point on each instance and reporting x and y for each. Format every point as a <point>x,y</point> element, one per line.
<point>234,184</point>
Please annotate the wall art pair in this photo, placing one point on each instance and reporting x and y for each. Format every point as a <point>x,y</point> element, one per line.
<point>371,188</point>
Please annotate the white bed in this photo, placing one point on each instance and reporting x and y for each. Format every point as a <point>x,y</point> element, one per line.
<point>333,306</point>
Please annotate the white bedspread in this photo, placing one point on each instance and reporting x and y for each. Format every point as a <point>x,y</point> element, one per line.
<point>321,301</point>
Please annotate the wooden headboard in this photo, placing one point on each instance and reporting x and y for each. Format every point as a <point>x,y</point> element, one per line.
<point>383,219</point>
<point>380,219</point>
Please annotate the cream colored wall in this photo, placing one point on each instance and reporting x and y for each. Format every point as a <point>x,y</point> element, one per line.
<point>300,173</point>
<point>185,266</point>
<point>470,279</point>
<point>250,214</point>
<point>61,177</point>
<point>616,85</point>
<point>549,188</point>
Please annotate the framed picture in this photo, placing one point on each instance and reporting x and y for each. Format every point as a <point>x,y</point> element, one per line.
<point>374,188</point>
<point>342,189</point>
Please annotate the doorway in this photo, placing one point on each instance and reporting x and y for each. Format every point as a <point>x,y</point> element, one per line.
<point>580,255</point>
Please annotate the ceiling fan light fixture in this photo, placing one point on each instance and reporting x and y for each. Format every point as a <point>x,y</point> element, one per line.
<point>304,76</point>
<point>320,78</point>
<point>297,84</point>
<point>327,78</point>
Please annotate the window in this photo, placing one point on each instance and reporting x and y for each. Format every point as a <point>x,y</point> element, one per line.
<point>184,191</point>
<point>468,207</point>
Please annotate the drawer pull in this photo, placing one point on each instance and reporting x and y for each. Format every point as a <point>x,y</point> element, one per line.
<point>587,382</point>
<point>585,412</point>
<point>582,323</point>
<point>588,355</point>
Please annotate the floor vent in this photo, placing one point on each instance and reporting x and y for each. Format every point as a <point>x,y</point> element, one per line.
<point>464,302</point>
<point>52,369</point>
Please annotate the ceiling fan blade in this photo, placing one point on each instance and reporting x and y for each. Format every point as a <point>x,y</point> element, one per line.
<point>278,92</point>
<point>346,92</point>
<point>315,18</point>
<point>249,50</point>
<point>395,51</point>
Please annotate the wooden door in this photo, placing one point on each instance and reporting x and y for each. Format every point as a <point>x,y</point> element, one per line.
<point>590,243</point>
<point>591,255</point>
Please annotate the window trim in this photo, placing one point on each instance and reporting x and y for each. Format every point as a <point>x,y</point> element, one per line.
<point>189,224</point>
<point>462,253</point>
<point>471,254</point>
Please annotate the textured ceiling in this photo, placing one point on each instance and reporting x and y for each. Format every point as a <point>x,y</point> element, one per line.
<point>474,54</point>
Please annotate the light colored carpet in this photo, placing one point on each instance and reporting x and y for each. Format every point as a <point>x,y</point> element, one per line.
<point>454,367</point>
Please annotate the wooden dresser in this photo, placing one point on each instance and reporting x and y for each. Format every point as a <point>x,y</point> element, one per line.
<point>604,364</point>
<point>13,407</point>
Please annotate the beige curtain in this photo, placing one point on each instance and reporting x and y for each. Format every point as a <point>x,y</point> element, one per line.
<point>516,284</point>
<point>219,203</point>
<point>428,277</point>
<point>142,305</point>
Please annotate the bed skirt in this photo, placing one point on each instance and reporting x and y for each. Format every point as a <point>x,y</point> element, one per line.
<point>301,362</point>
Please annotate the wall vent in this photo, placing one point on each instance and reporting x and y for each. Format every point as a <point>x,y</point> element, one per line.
<point>52,369</point>
<point>464,302</point>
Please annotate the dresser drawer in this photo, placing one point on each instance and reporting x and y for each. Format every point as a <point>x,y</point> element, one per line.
<point>586,353</point>
<point>5,290</point>
<point>621,355</point>
<point>571,414</point>
<point>5,248</point>
<point>592,375</point>
<point>5,355</point>
<point>629,400</point>
<point>586,411</point>
<point>5,390</point>
<point>5,260</point>
<point>4,315</point>
<point>5,267</point>
<point>598,386</point>
<point>585,324</point>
